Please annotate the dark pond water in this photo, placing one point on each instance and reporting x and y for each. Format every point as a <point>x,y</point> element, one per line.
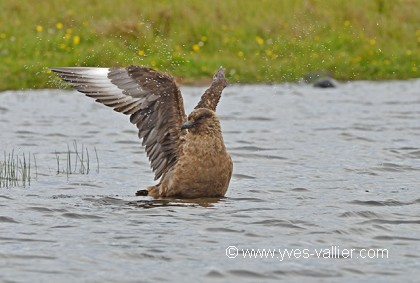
<point>328,180</point>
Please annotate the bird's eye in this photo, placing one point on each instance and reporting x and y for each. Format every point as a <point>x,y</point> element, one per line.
<point>200,119</point>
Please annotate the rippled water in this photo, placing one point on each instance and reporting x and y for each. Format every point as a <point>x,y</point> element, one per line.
<point>314,169</point>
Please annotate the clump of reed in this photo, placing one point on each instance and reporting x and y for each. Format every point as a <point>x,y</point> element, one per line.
<point>15,170</point>
<point>77,160</point>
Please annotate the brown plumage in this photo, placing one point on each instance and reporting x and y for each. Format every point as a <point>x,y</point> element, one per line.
<point>187,153</point>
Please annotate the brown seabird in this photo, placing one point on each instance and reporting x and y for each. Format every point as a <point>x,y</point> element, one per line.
<point>187,154</point>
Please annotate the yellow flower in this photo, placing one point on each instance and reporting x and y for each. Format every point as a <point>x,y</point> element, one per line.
<point>240,54</point>
<point>196,47</point>
<point>59,25</point>
<point>269,52</point>
<point>76,40</point>
<point>39,28</point>
<point>141,53</point>
<point>259,40</point>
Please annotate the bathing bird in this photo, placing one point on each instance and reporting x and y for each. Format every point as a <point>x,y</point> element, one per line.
<point>187,153</point>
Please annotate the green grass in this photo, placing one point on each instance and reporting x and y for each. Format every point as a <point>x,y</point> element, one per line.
<point>257,41</point>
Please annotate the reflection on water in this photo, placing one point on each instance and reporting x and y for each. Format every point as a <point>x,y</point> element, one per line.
<point>314,169</point>
<point>152,203</point>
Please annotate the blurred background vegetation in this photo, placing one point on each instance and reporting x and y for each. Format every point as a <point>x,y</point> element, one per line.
<point>263,41</point>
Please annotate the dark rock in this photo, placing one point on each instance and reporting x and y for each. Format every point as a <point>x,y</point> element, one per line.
<point>324,83</point>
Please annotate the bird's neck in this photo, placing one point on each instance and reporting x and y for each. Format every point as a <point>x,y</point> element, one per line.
<point>206,140</point>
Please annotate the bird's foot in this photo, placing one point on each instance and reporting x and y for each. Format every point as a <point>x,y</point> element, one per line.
<point>142,193</point>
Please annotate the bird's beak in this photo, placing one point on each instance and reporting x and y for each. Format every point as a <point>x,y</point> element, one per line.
<point>187,125</point>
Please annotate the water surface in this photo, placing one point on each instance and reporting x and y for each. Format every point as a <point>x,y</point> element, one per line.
<point>314,169</point>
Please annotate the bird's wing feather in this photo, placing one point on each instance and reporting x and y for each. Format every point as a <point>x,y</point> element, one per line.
<point>211,96</point>
<point>152,99</point>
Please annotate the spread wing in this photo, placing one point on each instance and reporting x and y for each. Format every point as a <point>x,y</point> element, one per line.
<point>211,96</point>
<point>152,99</point>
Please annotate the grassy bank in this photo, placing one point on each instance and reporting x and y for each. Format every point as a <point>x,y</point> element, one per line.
<point>257,41</point>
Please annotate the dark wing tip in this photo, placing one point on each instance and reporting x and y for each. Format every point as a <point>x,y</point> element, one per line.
<point>211,96</point>
<point>65,71</point>
<point>60,69</point>
<point>55,70</point>
<point>220,76</point>
<point>220,73</point>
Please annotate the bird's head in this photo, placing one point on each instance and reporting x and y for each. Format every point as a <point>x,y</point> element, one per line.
<point>202,120</point>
